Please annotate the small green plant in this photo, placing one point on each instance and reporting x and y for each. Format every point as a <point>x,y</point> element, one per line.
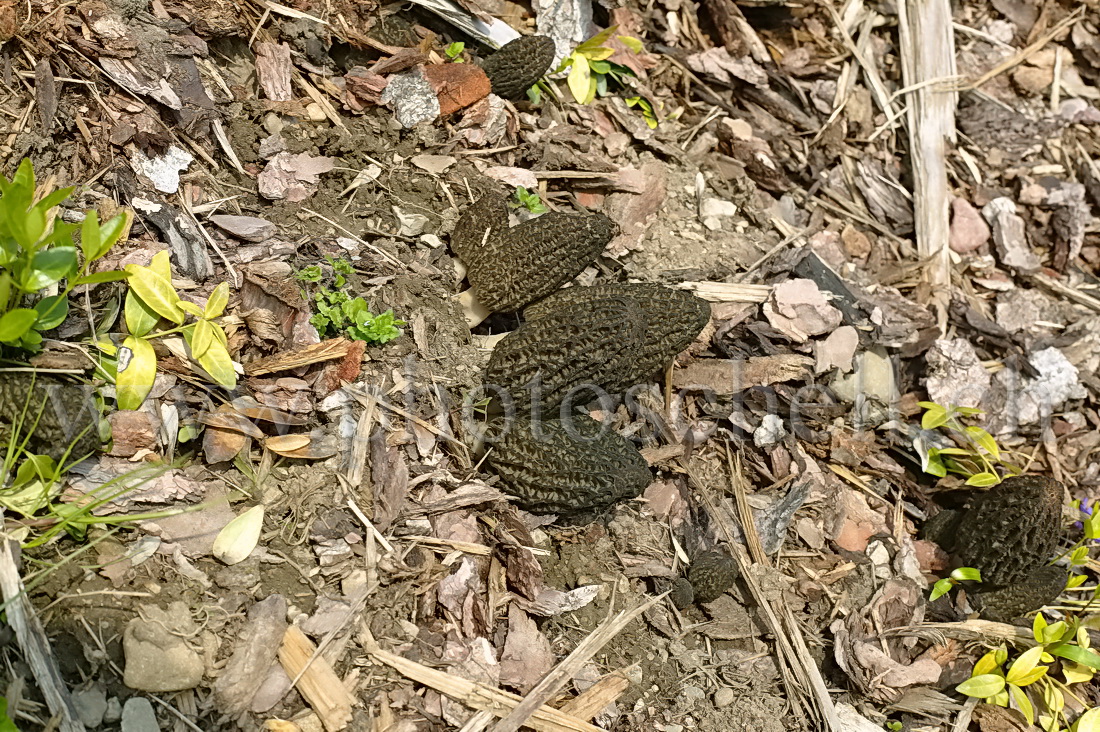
<point>962,574</point>
<point>151,300</point>
<point>338,313</point>
<point>37,255</point>
<point>592,74</point>
<point>978,456</point>
<point>454,51</point>
<point>530,200</point>
<point>6,724</point>
<point>1061,647</point>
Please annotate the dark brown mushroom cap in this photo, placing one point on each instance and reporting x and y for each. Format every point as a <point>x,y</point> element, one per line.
<point>571,348</point>
<point>518,64</point>
<point>673,319</point>
<point>510,268</point>
<point>566,467</point>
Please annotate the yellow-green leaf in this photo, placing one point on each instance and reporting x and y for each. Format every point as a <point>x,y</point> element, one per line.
<point>1089,721</point>
<point>983,480</point>
<point>156,291</point>
<point>579,77</point>
<point>201,339</point>
<point>140,318</point>
<point>161,265</point>
<point>1075,673</point>
<point>983,686</point>
<point>215,304</point>
<point>934,417</point>
<point>984,440</point>
<point>987,664</point>
<point>1032,676</point>
<point>190,308</point>
<point>1053,699</point>
<point>239,537</point>
<point>137,370</point>
<point>1023,702</point>
<point>601,53</point>
<point>632,43</point>
<point>1024,664</point>
<point>1083,638</point>
<point>218,364</point>
<point>1037,626</point>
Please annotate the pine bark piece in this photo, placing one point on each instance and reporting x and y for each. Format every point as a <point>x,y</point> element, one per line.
<point>568,467</point>
<point>518,64</point>
<point>539,364</point>
<point>672,320</point>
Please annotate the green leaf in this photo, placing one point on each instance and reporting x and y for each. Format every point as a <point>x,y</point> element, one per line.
<point>934,464</point>
<point>215,304</point>
<point>1076,580</point>
<point>1055,632</point>
<point>49,267</point>
<point>218,364</point>
<point>140,318</point>
<point>51,312</point>
<point>1023,702</point>
<point>983,686</point>
<point>969,574</point>
<point>940,589</point>
<point>15,323</point>
<point>201,339</point>
<point>968,411</point>
<point>112,231</point>
<point>1079,556</point>
<point>136,374</point>
<point>6,725</point>
<point>98,278</point>
<point>1083,656</point>
<point>983,479</point>
<point>90,240</point>
<point>936,416</point>
<point>1023,665</point>
<point>155,291</point>
<point>632,43</point>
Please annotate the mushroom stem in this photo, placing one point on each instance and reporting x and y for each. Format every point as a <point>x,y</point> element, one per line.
<point>472,310</point>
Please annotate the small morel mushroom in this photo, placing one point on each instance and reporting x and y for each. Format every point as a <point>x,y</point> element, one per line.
<point>568,466</point>
<point>672,320</point>
<point>518,64</point>
<point>66,414</point>
<point>1009,533</point>
<point>486,217</point>
<point>711,574</point>
<point>510,268</point>
<point>575,347</point>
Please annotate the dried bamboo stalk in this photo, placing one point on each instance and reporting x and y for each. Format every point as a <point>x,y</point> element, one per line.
<point>927,56</point>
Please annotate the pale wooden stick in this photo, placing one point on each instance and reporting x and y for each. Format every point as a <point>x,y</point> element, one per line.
<point>561,674</point>
<point>471,693</point>
<point>928,54</point>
